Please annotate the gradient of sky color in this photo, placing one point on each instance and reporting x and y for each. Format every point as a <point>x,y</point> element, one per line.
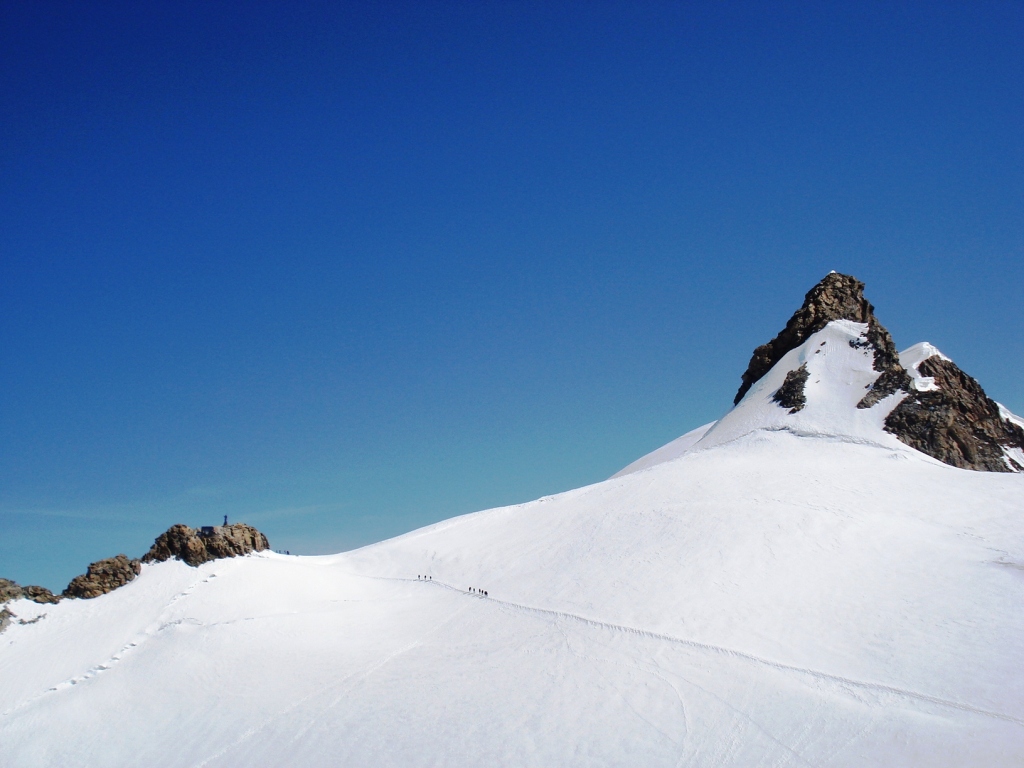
<point>341,270</point>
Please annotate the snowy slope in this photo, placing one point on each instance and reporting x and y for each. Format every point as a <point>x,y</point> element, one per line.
<point>789,589</point>
<point>840,374</point>
<point>667,452</point>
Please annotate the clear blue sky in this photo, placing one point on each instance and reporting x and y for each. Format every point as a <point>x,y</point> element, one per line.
<point>345,269</point>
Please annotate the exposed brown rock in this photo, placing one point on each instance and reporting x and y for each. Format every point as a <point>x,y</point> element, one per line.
<point>7,618</point>
<point>196,547</point>
<point>894,376</point>
<point>190,545</point>
<point>957,424</point>
<point>41,594</point>
<point>10,590</point>
<point>835,297</point>
<point>178,541</point>
<point>791,393</point>
<point>103,576</point>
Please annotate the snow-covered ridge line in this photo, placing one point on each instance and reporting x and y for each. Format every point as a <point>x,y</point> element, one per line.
<point>667,452</point>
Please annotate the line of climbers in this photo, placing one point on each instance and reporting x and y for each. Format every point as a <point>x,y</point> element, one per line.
<point>472,590</point>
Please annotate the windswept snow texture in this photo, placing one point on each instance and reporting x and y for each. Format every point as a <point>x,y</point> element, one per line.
<point>777,599</point>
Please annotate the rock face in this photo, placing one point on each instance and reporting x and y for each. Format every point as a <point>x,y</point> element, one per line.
<point>10,590</point>
<point>103,576</point>
<point>836,297</point>
<point>893,376</point>
<point>40,594</point>
<point>791,393</point>
<point>957,422</point>
<point>196,546</point>
<point>954,422</point>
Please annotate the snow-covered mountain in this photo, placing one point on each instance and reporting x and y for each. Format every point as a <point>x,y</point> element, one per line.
<point>815,579</point>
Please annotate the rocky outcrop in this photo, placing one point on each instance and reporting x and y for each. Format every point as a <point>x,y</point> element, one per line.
<point>193,546</point>
<point>10,590</point>
<point>791,393</point>
<point>7,617</point>
<point>893,376</point>
<point>835,297</point>
<point>103,576</point>
<point>40,594</point>
<point>196,547</point>
<point>956,423</point>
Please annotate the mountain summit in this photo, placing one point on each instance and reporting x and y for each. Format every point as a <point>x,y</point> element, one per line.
<point>926,401</point>
<point>836,297</point>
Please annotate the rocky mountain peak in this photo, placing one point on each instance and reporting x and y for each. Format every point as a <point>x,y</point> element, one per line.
<point>835,297</point>
<point>949,418</point>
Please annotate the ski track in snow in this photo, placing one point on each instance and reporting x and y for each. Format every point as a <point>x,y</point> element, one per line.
<point>720,650</point>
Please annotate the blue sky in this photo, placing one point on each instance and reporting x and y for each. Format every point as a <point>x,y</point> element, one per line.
<point>351,268</point>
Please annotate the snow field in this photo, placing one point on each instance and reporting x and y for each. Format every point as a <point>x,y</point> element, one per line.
<point>774,589</point>
<point>777,601</point>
